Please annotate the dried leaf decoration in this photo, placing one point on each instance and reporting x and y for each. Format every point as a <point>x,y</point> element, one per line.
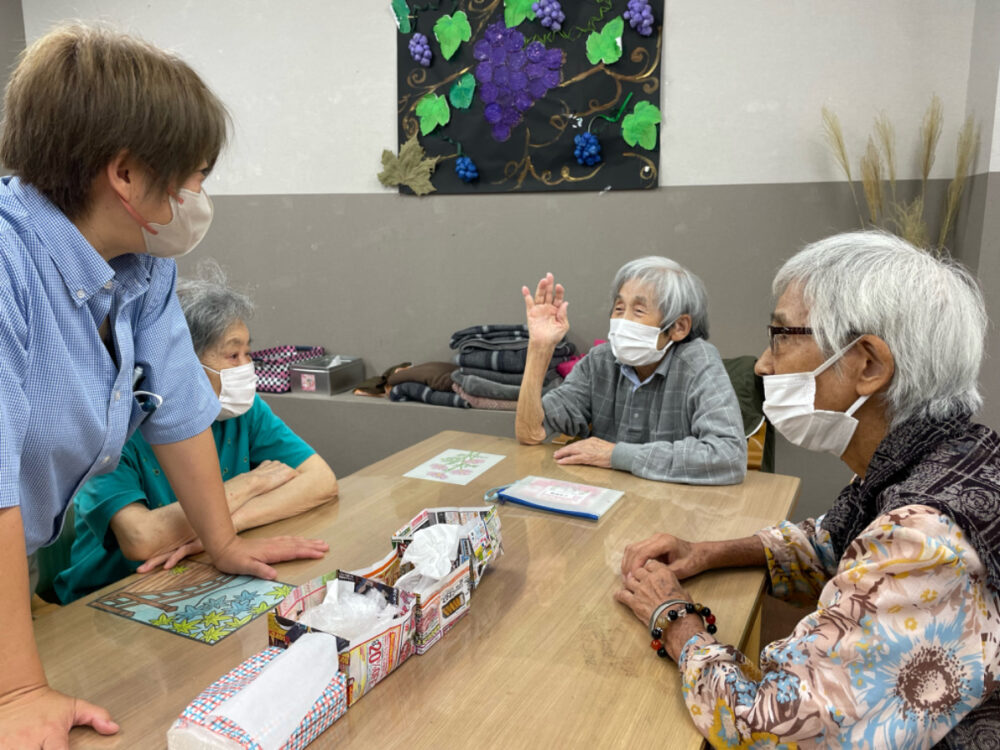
<point>402,12</point>
<point>451,31</point>
<point>432,110</point>
<point>640,126</point>
<point>606,45</point>
<point>410,168</point>
<point>461,92</point>
<point>515,11</point>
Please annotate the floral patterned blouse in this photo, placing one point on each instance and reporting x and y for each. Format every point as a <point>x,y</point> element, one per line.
<point>904,642</point>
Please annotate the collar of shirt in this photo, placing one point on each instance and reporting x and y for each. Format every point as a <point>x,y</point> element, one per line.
<point>83,270</point>
<point>661,369</point>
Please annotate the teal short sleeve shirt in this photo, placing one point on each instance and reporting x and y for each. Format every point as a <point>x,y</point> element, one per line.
<point>242,443</point>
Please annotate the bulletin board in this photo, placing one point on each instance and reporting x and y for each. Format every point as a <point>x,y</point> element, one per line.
<point>512,88</point>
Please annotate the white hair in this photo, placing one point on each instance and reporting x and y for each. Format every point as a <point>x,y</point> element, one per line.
<point>677,290</point>
<point>210,305</point>
<point>929,311</point>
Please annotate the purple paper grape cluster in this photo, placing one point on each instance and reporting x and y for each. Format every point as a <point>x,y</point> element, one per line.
<point>512,77</point>
<point>640,16</point>
<point>549,13</point>
<point>420,49</point>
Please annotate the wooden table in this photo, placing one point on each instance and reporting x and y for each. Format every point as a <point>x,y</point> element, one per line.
<point>545,657</point>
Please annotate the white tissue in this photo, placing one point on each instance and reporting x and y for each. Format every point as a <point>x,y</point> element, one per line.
<point>271,707</point>
<point>433,550</point>
<point>348,614</point>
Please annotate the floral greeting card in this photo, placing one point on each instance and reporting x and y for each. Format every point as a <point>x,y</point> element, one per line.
<point>455,466</point>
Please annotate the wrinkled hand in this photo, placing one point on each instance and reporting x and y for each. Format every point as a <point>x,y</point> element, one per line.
<point>170,558</point>
<point>42,717</point>
<point>647,587</point>
<point>591,451</point>
<point>251,556</point>
<point>546,312</point>
<point>679,555</point>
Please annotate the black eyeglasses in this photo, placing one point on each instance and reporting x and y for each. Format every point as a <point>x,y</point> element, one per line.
<point>774,331</point>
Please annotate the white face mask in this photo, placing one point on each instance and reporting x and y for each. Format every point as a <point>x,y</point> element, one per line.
<point>239,387</point>
<point>192,216</point>
<point>634,343</point>
<point>789,403</point>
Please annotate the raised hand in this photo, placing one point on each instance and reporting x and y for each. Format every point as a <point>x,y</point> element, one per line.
<point>546,312</point>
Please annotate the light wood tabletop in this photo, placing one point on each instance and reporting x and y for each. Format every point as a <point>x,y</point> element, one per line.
<point>545,657</point>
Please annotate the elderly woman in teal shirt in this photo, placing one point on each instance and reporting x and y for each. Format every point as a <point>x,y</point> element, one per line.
<point>131,515</point>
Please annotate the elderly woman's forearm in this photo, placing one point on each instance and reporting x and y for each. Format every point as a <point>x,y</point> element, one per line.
<point>745,552</point>
<point>316,484</point>
<point>530,415</point>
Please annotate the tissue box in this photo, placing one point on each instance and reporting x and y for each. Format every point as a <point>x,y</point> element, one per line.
<point>436,612</point>
<point>368,660</point>
<point>331,705</point>
<point>482,546</point>
<point>326,375</point>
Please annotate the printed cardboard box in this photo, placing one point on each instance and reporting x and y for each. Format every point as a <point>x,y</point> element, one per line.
<point>367,660</point>
<point>483,545</point>
<point>437,611</point>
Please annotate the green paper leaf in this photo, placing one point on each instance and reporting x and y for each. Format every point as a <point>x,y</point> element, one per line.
<point>432,110</point>
<point>640,126</point>
<point>402,11</point>
<point>461,92</point>
<point>410,168</point>
<point>451,31</point>
<point>606,45</point>
<point>515,11</point>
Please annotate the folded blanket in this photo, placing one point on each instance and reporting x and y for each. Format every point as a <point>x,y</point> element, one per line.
<point>486,388</point>
<point>477,402</point>
<point>437,375</point>
<point>488,332</point>
<point>378,386</point>
<point>420,392</point>
<point>493,344</point>
<point>509,360</point>
<point>509,378</point>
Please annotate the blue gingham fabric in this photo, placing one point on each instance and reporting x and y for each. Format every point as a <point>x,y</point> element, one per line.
<point>66,408</point>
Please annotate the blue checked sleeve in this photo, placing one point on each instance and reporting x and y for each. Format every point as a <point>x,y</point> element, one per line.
<point>14,408</point>
<point>163,348</point>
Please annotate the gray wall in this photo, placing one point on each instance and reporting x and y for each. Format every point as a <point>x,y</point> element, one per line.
<point>11,40</point>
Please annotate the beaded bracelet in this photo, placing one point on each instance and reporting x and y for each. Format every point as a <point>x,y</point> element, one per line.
<point>672,615</point>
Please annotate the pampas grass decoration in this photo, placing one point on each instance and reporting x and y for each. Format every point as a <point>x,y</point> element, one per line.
<point>886,135</point>
<point>835,138</point>
<point>930,134</point>
<point>906,219</point>
<point>871,180</point>
<point>968,144</point>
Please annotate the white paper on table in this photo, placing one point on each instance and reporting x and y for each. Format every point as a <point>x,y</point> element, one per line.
<point>455,466</point>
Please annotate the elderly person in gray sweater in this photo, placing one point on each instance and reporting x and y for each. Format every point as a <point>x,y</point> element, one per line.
<point>656,401</point>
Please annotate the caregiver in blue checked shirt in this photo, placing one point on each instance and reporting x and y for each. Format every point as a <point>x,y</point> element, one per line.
<point>110,139</point>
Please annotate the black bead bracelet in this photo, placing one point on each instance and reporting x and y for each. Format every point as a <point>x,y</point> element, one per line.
<point>672,615</point>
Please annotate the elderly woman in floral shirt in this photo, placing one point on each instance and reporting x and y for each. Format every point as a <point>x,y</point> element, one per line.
<point>875,353</point>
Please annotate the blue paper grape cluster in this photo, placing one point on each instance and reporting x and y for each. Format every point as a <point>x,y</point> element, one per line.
<point>466,170</point>
<point>550,13</point>
<point>587,150</point>
<point>512,77</point>
<point>420,49</point>
<point>640,16</point>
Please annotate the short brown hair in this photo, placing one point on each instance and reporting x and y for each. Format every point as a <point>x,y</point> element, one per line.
<point>82,94</point>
